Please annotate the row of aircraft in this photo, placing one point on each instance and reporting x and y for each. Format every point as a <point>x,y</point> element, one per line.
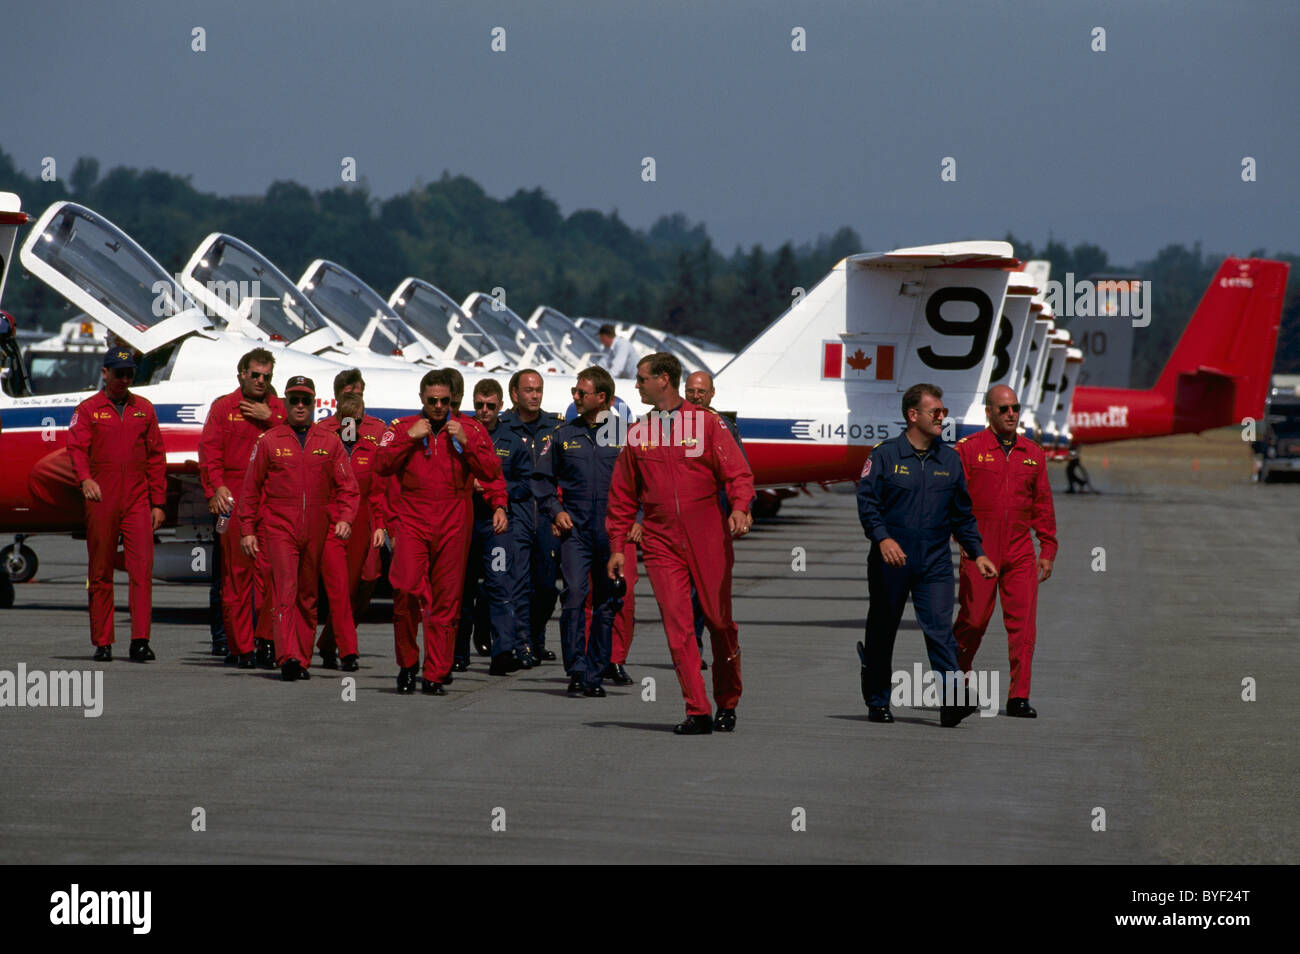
<point>811,394</point>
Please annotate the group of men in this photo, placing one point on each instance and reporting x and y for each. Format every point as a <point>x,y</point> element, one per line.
<point>481,511</point>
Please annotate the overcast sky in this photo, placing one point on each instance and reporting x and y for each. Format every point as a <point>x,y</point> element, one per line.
<point>1131,148</point>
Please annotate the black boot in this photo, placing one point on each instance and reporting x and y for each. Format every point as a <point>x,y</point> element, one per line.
<point>350,663</point>
<point>329,659</point>
<point>406,679</point>
<point>140,651</point>
<point>694,725</point>
<point>103,653</point>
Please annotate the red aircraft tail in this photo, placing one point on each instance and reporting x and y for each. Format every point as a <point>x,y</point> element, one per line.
<point>1224,358</point>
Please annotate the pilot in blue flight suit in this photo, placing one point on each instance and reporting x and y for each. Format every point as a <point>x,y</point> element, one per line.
<point>912,498</point>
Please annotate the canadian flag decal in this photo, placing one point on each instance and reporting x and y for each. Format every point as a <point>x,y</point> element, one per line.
<point>857,361</point>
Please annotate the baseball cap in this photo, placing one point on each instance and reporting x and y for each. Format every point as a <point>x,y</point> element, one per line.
<point>300,382</point>
<point>119,358</point>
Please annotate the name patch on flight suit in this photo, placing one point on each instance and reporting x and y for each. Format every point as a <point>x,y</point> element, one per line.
<point>942,473</point>
<point>503,452</point>
<point>572,445</point>
<point>902,470</point>
<point>283,452</point>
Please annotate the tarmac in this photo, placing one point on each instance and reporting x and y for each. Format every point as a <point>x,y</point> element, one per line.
<point>1144,752</point>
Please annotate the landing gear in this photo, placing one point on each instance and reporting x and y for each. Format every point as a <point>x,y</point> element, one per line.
<point>1077,474</point>
<point>19,560</point>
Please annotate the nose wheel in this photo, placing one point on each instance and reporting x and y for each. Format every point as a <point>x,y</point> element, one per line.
<point>19,561</point>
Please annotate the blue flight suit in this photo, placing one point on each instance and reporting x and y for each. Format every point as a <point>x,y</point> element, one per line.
<point>488,599</point>
<point>580,462</point>
<point>535,561</point>
<point>920,504</point>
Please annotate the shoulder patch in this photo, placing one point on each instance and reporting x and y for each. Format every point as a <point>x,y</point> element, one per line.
<point>963,440</point>
<point>395,421</point>
<point>866,469</point>
<point>387,438</point>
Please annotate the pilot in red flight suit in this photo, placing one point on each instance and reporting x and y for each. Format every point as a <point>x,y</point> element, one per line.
<point>1006,474</point>
<point>348,568</point>
<point>234,422</point>
<point>117,452</point>
<point>299,488</point>
<point>673,470</point>
<point>436,455</point>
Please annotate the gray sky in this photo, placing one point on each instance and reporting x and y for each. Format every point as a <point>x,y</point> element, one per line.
<point>1132,148</point>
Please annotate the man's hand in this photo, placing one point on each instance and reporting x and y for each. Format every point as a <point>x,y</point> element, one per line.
<point>892,553</point>
<point>378,538</point>
<point>634,533</point>
<point>739,523</point>
<point>90,490</point>
<point>456,429</point>
<point>158,516</point>
<point>420,429</point>
<point>563,523</point>
<point>986,567</point>
<point>221,502</point>
<point>255,410</point>
<point>342,529</point>
<point>249,545</point>
<point>1044,570</point>
<point>500,522</point>
<point>614,568</point>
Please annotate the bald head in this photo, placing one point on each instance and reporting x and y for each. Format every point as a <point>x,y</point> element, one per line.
<point>1003,410</point>
<point>699,388</point>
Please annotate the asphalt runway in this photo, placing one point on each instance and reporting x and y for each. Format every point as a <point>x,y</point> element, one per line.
<point>1137,678</point>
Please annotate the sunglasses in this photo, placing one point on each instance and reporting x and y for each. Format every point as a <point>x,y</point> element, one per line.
<point>481,405</point>
<point>937,413</point>
<point>1003,408</point>
<point>579,392</point>
<point>260,375</point>
<point>437,401</point>
<point>294,399</point>
<point>124,373</point>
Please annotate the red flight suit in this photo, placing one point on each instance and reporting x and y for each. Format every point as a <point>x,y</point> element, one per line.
<point>293,494</point>
<point>123,453</point>
<point>435,513</point>
<point>406,608</point>
<point>345,563</point>
<point>224,449</point>
<point>624,621</point>
<point>1010,494</point>
<point>673,472</point>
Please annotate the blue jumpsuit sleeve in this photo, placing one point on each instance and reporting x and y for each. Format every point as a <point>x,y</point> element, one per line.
<point>869,506</point>
<point>964,527</point>
<point>544,484</point>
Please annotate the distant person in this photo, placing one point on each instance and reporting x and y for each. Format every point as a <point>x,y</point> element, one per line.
<point>618,356</point>
<point>912,499</point>
<point>1010,494</point>
<point>116,450</point>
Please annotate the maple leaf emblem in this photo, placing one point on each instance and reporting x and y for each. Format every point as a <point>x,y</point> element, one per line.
<point>858,361</point>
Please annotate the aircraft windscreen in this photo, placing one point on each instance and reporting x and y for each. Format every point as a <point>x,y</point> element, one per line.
<point>552,327</point>
<point>429,313</point>
<point>684,350</point>
<point>109,266</point>
<point>64,372</point>
<point>643,337</point>
<point>496,326</point>
<point>231,274</point>
<point>353,306</point>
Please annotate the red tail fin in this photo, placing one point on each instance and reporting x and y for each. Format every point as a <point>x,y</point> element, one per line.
<point>1224,359</point>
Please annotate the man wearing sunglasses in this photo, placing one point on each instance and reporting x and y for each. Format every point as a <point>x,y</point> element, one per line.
<point>437,455</point>
<point>117,452</point>
<point>486,603</point>
<point>1007,476</point>
<point>234,423</point>
<point>298,488</point>
<point>912,499</point>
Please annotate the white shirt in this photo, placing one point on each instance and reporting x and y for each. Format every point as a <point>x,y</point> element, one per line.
<point>619,359</point>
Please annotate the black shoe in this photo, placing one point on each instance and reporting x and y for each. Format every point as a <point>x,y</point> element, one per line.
<point>949,716</point>
<point>232,659</point>
<point>879,714</point>
<point>406,679</point>
<point>503,664</point>
<point>576,685</point>
<point>103,654</point>
<point>694,725</point>
<point>430,688</point>
<point>265,653</point>
<point>620,676</point>
<point>866,695</point>
<point>460,664</point>
<point>594,692</point>
<point>140,651</point>
<point>524,658</point>
<point>329,659</point>
<point>448,679</point>
<point>482,646</point>
<point>703,665</point>
<point>545,656</point>
<point>350,663</point>
<point>247,661</point>
<point>219,647</point>
<point>292,671</point>
<point>1021,709</point>
<point>725,721</point>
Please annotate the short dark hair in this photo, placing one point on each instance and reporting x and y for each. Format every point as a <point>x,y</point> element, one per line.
<point>661,362</point>
<point>600,379</point>
<point>457,387</point>
<point>514,379</point>
<point>438,377</point>
<point>351,405</point>
<point>489,386</point>
<point>606,329</point>
<point>260,355</point>
<point>347,378</point>
<point>912,396</point>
